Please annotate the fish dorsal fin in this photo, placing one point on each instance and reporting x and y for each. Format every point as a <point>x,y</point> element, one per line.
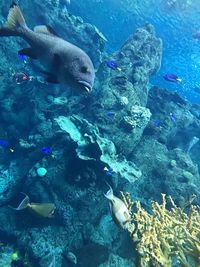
<point>24,203</point>
<point>109,195</point>
<point>42,29</point>
<point>45,29</point>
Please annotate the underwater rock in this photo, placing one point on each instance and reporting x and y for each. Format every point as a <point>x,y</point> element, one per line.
<point>149,154</point>
<point>171,172</point>
<point>6,255</point>
<point>104,233</point>
<point>119,92</point>
<point>5,181</point>
<point>139,118</point>
<point>171,123</point>
<point>117,261</point>
<point>188,176</point>
<point>144,47</point>
<point>10,180</point>
<point>45,129</point>
<point>88,138</point>
<point>42,245</point>
<point>183,160</point>
<point>59,101</point>
<point>85,255</point>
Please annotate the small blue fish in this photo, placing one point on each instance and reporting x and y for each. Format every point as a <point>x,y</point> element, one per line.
<point>156,122</point>
<point>112,64</point>
<point>110,114</point>
<point>21,57</point>
<point>172,78</point>
<point>46,150</point>
<point>108,171</point>
<point>3,143</point>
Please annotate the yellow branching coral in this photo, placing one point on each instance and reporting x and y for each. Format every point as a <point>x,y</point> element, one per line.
<point>166,236</point>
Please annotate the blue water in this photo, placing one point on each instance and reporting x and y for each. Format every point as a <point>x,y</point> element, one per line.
<point>175,26</point>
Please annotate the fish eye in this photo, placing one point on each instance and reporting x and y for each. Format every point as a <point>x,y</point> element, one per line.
<point>84,69</point>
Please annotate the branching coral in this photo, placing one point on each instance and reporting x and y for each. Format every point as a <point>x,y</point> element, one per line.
<point>167,236</point>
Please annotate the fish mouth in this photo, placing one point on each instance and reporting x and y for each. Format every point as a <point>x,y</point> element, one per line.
<point>86,86</point>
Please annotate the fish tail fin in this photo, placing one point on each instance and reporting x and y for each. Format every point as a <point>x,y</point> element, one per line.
<point>24,203</point>
<point>15,21</point>
<point>109,194</point>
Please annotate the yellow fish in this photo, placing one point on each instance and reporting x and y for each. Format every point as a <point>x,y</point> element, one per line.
<point>45,210</point>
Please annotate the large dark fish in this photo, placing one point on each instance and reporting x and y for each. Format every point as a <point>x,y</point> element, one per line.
<point>64,62</point>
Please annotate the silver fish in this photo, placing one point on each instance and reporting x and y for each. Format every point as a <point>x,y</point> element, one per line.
<point>119,211</point>
<point>64,62</point>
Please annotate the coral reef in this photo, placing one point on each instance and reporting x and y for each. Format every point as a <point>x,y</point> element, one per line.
<point>172,121</point>
<point>11,177</point>
<point>167,236</point>
<point>6,255</point>
<point>122,94</point>
<point>117,261</point>
<point>164,170</point>
<point>142,137</point>
<point>88,139</point>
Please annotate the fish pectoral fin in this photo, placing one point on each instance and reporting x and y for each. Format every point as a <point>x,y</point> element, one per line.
<point>52,31</point>
<point>29,52</point>
<point>50,78</point>
<point>56,60</point>
<point>126,215</point>
<point>46,29</point>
